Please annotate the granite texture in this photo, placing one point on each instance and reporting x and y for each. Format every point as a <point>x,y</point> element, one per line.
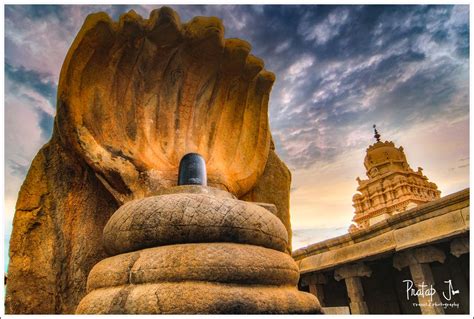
<point>191,218</point>
<point>214,262</point>
<point>190,297</point>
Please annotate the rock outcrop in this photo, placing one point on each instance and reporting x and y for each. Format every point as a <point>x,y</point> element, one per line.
<point>134,96</point>
<point>61,211</point>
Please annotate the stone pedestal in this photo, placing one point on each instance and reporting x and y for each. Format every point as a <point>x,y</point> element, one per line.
<point>418,261</point>
<point>352,275</point>
<point>195,251</point>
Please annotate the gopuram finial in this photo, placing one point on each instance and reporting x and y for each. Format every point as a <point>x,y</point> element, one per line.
<point>376,133</point>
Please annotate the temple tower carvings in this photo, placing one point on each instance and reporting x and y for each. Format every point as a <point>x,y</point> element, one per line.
<point>392,185</point>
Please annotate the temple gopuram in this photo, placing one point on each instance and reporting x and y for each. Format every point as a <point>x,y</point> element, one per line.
<point>404,241</point>
<point>392,186</point>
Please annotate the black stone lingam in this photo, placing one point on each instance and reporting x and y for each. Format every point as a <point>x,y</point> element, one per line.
<point>192,170</point>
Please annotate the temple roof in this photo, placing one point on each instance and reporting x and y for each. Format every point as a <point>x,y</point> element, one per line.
<point>383,157</point>
<point>391,185</point>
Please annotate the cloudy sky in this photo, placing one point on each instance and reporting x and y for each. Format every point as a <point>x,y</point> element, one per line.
<point>339,70</point>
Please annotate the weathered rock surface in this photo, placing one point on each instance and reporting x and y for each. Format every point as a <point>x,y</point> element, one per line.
<point>196,189</point>
<point>133,97</point>
<point>274,187</point>
<point>197,298</point>
<point>61,211</point>
<point>216,262</point>
<point>191,218</point>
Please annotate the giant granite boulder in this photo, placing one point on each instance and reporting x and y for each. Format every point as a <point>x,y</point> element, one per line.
<point>134,96</point>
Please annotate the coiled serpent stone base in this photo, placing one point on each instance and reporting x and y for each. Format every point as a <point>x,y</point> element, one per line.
<point>209,254</point>
<point>197,298</point>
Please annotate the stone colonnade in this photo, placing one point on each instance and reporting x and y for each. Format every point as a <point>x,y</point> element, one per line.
<point>352,275</point>
<point>417,260</point>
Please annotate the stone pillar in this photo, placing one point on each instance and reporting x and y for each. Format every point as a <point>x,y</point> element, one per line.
<point>458,247</point>
<point>418,260</point>
<point>315,282</point>
<point>352,274</point>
